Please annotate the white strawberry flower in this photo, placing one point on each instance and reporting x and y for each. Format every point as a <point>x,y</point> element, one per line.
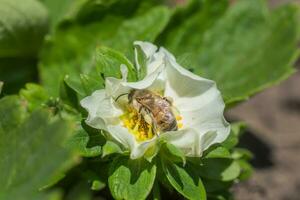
<point>196,104</point>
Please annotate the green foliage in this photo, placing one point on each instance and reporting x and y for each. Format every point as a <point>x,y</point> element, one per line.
<point>140,61</point>
<point>23,25</point>
<point>97,185</point>
<point>236,130</point>
<point>109,61</point>
<point>245,49</point>
<point>16,72</point>
<point>68,53</point>
<point>23,22</point>
<point>34,95</point>
<point>172,153</point>
<point>219,169</point>
<point>214,186</point>
<point>185,180</point>
<point>131,179</point>
<point>217,152</point>
<point>145,27</point>
<point>110,148</point>
<point>31,150</point>
<point>59,9</point>
<point>79,143</point>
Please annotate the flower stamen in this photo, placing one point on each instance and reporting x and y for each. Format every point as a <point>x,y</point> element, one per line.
<point>136,124</point>
<point>179,123</point>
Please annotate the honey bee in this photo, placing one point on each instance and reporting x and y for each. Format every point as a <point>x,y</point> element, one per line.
<point>155,109</point>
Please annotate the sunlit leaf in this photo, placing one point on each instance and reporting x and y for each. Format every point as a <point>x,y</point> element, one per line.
<point>131,179</point>
<point>31,150</point>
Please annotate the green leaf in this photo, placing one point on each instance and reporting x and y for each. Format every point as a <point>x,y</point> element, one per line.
<point>68,53</point>
<point>224,195</point>
<point>246,170</point>
<point>22,22</point>
<point>186,31</point>
<point>79,142</point>
<point>77,87</point>
<point>156,191</point>
<point>16,72</point>
<point>90,10</point>
<point>172,153</point>
<point>240,153</point>
<point>30,149</point>
<point>108,62</point>
<point>97,185</point>
<point>80,191</point>
<point>34,95</point>
<point>185,180</point>
<point>131,179</point>
<point>217,152</point>
<point>212,186</point>
<point>246,50</point>
<point>219,169</point>
<point>110,148</point>
<point>68,95</point>
<point>74,83</point>
<point>91,82</point>
<point>59,9</point>
<point>144,27</point>
<point>141,62</point>
<point>233,138</point>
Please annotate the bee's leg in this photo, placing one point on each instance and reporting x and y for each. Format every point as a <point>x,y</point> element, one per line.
<point>155,129</point>
<point>148,117</point>
<point>141,109</point>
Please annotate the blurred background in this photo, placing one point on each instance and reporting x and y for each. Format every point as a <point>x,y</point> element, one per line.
<point>273,135</point>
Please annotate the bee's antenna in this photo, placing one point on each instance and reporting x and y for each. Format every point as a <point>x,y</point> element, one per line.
<point>121,96</point>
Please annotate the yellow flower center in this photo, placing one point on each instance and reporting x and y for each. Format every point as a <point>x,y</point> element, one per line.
<point>137,125</point>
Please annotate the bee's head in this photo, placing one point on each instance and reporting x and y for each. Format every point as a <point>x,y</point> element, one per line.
<point>130,95</point>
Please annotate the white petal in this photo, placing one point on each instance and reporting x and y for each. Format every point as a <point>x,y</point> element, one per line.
<point>148,48</point>
<point>154,58</point>
<point>116,87</point>
<point>185,87</point>
<point>188,140</point>
<point>147,82</point>
<point>124,137</point>
<point>206,108</point>
<point>201,106</point>
<point>140,149</point>
<point>124,72</point>
<point>221,129</point>
<point>194,140</point>
<point>100,109</point>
